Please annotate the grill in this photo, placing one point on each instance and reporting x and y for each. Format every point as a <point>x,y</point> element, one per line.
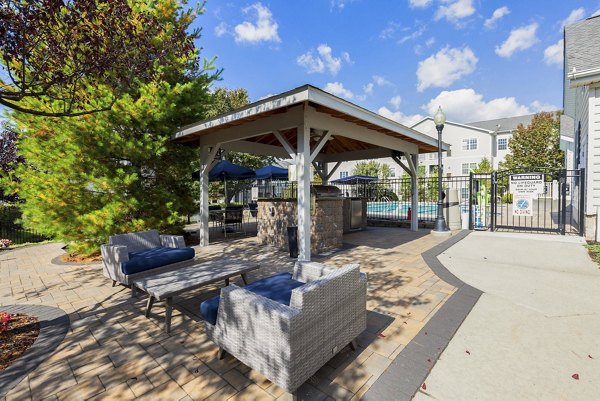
<point>325,191</point>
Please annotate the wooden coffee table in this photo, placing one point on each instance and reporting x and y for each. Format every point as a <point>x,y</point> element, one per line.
<point>167,284</point>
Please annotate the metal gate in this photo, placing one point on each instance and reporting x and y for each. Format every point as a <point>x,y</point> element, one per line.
<point>556,206</point>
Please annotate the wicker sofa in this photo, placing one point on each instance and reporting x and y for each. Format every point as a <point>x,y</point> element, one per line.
<point>133,255</point>
<point>288,327</point>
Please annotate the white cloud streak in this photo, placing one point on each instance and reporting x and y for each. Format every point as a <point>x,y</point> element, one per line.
<point>491,22</point>
<point>576,15</point>
<point>338,89</point>
<point>554,54</point>
<point>419,3</point>
<point>519,39</point>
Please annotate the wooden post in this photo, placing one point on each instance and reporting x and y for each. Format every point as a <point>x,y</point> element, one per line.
<point>303,178</point>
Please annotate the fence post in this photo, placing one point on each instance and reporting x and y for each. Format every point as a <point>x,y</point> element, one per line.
<point>582,202</point>
<point>563,202</point>
<point>493,205</point>
<point>471,200</point>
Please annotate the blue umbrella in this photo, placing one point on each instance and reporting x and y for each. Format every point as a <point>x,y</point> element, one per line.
<point>225,170</point>
<point>272,172</point>
<point>354,179</point>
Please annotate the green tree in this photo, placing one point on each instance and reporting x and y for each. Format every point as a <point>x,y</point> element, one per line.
<point>78,57</point>
<point>224,100</point>
<point>118,171</point>
<point>484,167</point>
<point>372,168</point>
<point>537,145</point>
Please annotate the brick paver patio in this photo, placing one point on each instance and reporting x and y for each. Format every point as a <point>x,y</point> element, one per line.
<point>113,352</point>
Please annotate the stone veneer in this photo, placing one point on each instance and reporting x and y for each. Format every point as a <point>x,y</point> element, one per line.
<point>326,223</point>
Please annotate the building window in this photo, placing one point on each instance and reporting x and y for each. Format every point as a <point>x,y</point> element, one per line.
<point>502,143</point>
<point>433,156</point>
<point>464,193</point>
<point>343,174</point>
<point>469,144</point>
<point>468,167</point>
<point>392,172</point>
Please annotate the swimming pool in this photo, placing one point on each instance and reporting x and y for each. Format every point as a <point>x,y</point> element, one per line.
<point>399,209</point>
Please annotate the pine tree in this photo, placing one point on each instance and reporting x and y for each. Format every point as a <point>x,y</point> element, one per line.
<point>117,171</point>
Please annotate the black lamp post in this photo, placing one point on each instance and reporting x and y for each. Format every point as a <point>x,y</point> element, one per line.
<point>440,223</point>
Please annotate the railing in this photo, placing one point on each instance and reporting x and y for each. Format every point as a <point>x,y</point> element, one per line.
<point>10,229</point>
<point>388,199</point>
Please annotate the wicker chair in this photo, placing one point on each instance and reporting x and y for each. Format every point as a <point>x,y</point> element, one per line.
<point>289,343</point>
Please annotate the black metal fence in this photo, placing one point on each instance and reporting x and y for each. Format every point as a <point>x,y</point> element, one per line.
<point>388,199</point>
<point>11,229</point>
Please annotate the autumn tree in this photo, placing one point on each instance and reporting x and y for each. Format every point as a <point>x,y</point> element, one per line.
<point>78,57</point>
<point>9,157</point>
<point>99,174</point>
<point>537,145</point>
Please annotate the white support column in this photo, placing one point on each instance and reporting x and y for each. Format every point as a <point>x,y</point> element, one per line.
<point>412,170</point>
<point>207,155</point>
<point>303,177</point>
<point>413,164</point>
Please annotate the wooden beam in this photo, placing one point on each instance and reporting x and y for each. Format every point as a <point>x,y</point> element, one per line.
<point>374,153</point>
<point>256,148</point>
<point>286,145</point>
<point>322,141</point>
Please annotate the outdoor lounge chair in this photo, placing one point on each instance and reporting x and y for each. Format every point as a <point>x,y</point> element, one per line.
<point>130,256</point>
<point>288,326</point>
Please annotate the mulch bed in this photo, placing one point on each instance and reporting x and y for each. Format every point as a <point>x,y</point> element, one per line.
<point>21,333</point>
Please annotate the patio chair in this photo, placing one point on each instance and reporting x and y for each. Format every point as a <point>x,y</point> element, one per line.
<point>233,216</point>
<point>288,326</point>
<point>133,255</point>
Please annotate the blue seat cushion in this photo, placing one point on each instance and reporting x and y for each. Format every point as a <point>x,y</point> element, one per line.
<point>152,258</point>
<point>277,287</point>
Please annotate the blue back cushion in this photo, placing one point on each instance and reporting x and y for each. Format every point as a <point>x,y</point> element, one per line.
<point>277,287</point>
<point>152,258</point>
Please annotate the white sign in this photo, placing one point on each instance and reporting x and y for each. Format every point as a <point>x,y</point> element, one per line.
<point>254,193</point>
<point>531,184</point>
<point>522,205</point>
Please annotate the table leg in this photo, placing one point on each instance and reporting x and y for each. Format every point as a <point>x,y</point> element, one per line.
<point>245,278</point>
<point>149,305</point>
<point>226,282</point>
<point>169,305</point>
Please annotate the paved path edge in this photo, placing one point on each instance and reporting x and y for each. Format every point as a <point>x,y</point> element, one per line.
<point>405,375</point>
<point>54,325</point>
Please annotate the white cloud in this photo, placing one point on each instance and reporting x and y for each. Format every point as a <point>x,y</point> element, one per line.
<point>413,35</point>
<point>368,88</point>
<point>466,105</point>
<point>395,101</point>
<point>576,15</point>
<point>221,29</point>
<point>264,29</point>
<point>337,88</point>
<point>430,42</point>
<point>419,3</point>
<point>519,39</point>
<point>389,31</point>
<point>445,67</point>
<point>324,60</point>
<point>398,116</point>
<point>597,12</point>
<point>490,23</point>
<point>404,119</point>
<point>340,4</point>
<point>381,81</point>
<point>537,106</point>
<point>554,53</point>
<point>455,10</point>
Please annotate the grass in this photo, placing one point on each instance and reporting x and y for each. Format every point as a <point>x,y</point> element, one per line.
<point>594,250</point>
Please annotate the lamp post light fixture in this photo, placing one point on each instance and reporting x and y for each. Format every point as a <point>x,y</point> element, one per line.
<point>440,223</point>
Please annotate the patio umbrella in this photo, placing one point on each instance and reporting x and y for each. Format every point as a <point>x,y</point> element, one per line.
<point>272,173</point>
<point>225,170</point>
<point>354,179</point>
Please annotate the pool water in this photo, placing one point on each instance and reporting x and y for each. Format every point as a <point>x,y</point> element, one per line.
<point>400,208</point>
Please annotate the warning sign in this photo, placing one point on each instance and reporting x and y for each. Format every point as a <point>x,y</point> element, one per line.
<point>531,184</point>
<point>523,205</point>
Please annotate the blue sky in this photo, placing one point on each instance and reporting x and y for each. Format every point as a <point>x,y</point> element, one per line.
<point>401,58</point>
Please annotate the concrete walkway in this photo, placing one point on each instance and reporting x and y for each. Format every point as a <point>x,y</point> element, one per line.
<point>536,325</point>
